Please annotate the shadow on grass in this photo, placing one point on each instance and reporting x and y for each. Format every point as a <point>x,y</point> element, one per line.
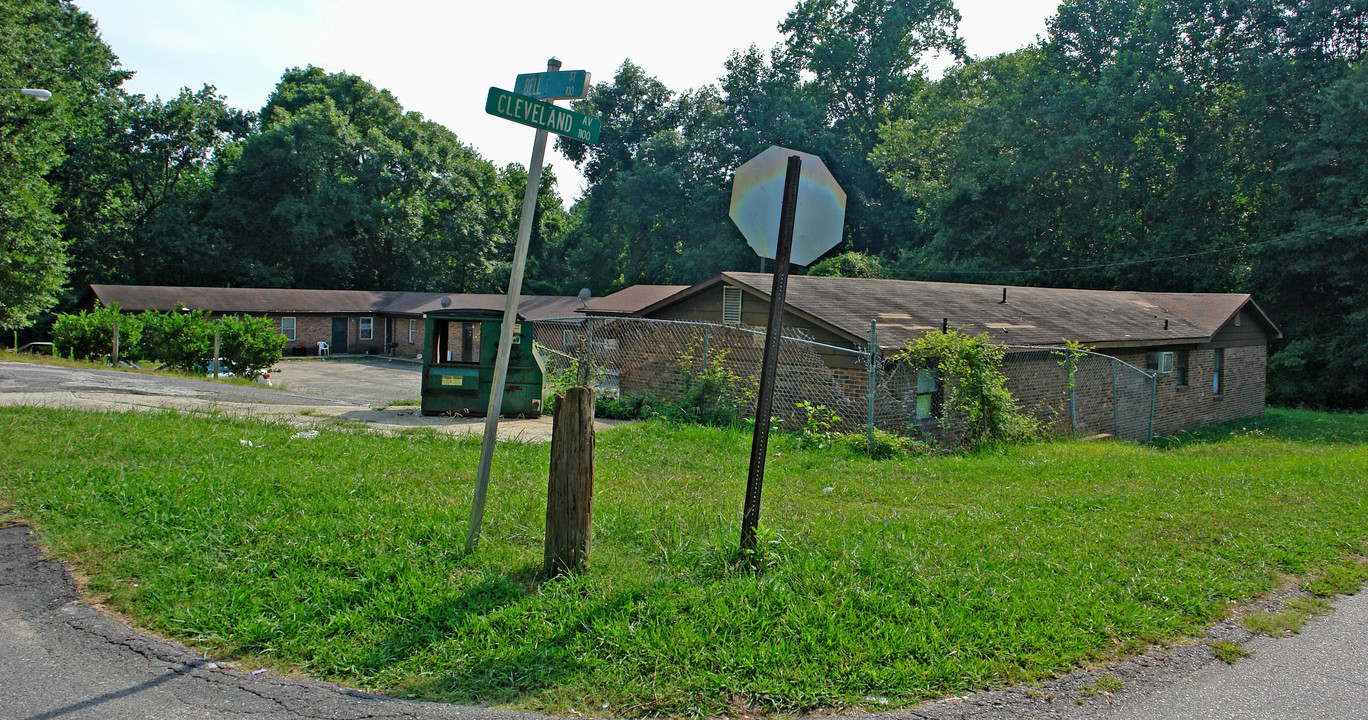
<point>441,621</point>
<point>515,668</point>
<point>1307,426</point>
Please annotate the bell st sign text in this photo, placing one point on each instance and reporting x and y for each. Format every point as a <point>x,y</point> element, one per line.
<point>542,115</point>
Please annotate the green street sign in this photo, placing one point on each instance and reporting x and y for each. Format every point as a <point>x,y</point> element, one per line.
<point>557,85</point>
<point>542,115</point>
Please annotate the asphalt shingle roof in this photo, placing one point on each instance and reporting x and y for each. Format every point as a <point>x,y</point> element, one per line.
<point>1030,316</point>
<point>630,300</point>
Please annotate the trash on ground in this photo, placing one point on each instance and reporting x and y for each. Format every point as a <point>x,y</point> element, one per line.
<point>304,435</point>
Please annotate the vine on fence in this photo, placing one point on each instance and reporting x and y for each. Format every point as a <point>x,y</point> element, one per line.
<point>711,393</point>
<point>979,391</point>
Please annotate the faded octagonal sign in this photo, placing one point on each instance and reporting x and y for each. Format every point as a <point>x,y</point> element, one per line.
<point>758,197</point>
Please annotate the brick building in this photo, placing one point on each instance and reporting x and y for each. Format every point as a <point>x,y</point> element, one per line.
<point>346,321</point>
<point>1206,352</point>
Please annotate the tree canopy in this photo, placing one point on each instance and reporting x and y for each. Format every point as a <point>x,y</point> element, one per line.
<point>1141,144</point>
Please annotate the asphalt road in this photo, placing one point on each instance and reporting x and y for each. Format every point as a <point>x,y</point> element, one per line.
<point>1323,673</point>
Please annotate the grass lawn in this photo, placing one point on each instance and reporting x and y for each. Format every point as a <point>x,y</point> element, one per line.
<point>340,557</point>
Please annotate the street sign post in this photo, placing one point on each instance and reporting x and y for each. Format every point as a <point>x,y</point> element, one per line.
<point>559,85</point>
<point>780,221</point>
<point>542,115</point>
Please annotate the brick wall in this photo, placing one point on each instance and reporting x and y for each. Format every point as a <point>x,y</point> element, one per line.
<point>1178,408</point>
<point>1110,394</point>
<point>313,329</point>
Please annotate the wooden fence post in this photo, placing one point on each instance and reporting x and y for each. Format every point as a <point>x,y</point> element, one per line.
<point>570,489</point>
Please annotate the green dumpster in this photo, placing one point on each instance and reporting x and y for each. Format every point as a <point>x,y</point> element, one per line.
<point>459,353</point>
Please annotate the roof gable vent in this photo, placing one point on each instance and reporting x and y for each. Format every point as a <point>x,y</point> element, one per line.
<point>731,306</point>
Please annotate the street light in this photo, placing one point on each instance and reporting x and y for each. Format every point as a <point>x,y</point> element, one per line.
<point>41,94</point>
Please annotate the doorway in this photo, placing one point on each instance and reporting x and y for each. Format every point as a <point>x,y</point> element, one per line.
<point>339,335</point>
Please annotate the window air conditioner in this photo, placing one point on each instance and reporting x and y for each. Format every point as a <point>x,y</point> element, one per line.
<point>1160,362</point>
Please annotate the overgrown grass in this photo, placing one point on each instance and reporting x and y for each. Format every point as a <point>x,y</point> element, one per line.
<point>1228,652</point>
<point>907,578</point>
<point>1289,620</point>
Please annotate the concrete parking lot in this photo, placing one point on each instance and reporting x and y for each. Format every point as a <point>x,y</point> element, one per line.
<point>309,393</point>
<point>372,382</point>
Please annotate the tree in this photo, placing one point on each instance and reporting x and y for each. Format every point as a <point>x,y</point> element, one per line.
<point>132,192</point>
<point>850,264</point>
<point>341,188</point>
<point>49,44</point>
<point>1315,279</point>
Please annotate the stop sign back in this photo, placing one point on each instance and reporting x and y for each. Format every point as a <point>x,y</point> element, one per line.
<point>758,196</point>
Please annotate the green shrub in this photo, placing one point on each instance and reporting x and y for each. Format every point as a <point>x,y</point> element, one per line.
<point>90,334</point>
<point>251,345</point>
<point>818,425</point>
<point>886,445</point>
<point>627,407</point>
<point>711,394</point>
<point>179,339</point>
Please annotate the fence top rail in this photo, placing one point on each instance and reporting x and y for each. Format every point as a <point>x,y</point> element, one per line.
<point>735,328</point>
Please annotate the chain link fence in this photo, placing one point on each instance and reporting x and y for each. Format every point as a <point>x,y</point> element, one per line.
<point>1071,392</point>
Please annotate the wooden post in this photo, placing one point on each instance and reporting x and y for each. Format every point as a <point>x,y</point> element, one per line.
<point>114,351</point>
<point>570,490</point>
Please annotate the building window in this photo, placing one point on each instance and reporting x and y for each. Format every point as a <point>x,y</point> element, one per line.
<point>411,331</point>
<point>367,328</point>
<point>567,338</point>
<point>731,306</point>
<point>1218,371</point>
<point>1180,367</point>
<point>928,395</point>
<point>287,327</point>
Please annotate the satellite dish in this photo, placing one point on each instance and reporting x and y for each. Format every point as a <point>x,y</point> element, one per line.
<point>446,302</point>
<point>584,295</point>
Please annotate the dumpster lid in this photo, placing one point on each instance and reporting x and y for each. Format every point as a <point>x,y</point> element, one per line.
<point>471,313</point>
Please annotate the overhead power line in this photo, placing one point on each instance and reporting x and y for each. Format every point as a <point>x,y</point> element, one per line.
<point>1124,263</point>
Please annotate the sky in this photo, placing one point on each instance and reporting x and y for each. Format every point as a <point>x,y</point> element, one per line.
<point>440,57</point>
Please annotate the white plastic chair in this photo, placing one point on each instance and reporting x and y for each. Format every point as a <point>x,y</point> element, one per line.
<point>322,348</point>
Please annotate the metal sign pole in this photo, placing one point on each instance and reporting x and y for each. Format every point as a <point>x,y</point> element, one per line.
<point>760,442</point>
<point>510,317</point>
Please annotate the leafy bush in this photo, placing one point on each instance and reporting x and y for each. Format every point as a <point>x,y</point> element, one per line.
<point>979,395</point>
<point>91,334</point>
<point>886,445</point>
<point>852,265</point>
<point>627,407</point>
<point>818,425</point>
<point>250,344</point>
<point>180,339</point>
<point>711,394</point>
